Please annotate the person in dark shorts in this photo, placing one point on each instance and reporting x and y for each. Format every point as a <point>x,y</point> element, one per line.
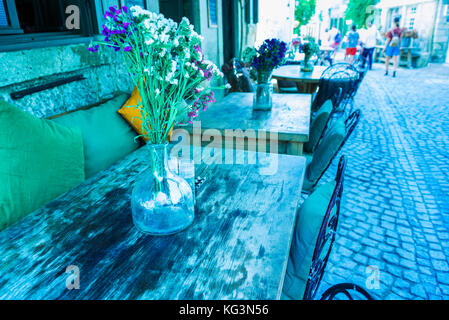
<point>393,46</point>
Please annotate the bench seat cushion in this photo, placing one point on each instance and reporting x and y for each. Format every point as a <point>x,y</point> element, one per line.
<point>308,223</point>
<point>323,154</point>
<point>40,160</point>
<point>318,125</point>
<point>107,137</point>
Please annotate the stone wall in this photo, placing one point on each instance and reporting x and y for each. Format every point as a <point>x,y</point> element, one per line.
<point>104,73</point>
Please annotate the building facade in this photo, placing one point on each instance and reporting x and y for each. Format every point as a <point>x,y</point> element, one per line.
<point>429,17</point>
<point>328,14</point>
<point>42,42</point>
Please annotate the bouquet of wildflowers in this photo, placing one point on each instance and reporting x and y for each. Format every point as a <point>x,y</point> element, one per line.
<point>165,62</point>
<point>296,43</point>
<point>270,55</point>
<point>309,47</point>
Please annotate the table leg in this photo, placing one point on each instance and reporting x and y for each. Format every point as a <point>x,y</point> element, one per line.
<point>294,148</point>
<point>276,86</point>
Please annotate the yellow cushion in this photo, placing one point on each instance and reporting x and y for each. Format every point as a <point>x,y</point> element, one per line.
<point>132,114</point>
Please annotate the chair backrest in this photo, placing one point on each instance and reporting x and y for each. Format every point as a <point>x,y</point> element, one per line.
<point>326,235</point>
<point>237,76</point>
<point>347,290</point>
<point>350,124</point>
<point>341,75</point>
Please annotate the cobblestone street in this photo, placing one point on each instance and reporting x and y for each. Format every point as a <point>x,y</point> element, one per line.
<point>395,211</point>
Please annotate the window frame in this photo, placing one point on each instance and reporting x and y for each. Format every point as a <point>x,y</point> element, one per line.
<point>91,20</point>
<point>13,19</point>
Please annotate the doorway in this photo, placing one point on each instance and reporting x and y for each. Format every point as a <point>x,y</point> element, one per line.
<point>229,30</point>
<point>173,9</point>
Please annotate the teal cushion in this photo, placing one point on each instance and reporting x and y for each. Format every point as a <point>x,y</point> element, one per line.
<point>318,125</point>
<point>324,153</point>
<point>308,223</point>
<point>40,160</point>
<point>107,136</point>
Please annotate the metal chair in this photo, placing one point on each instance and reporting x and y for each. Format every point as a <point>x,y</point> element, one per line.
<point>338,75</point>
<point>326,235</point>
<point>347,290</point>
<point>237,76</point>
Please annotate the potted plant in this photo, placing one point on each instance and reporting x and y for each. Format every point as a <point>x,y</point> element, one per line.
<point>269,56</point>
<point>165,61</point>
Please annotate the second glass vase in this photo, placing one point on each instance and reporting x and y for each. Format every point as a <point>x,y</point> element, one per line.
<point>263,97</point>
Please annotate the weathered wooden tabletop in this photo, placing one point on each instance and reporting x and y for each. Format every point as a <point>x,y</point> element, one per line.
<point>236,248</point>
<point>294,73</point>
<point>289,118</point>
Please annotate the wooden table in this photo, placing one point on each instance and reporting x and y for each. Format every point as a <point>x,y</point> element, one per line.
<point>306,82</point>
<point>236,248</point>
<point>288,122</point>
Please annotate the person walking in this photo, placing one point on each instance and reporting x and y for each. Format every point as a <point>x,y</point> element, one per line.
<point>335,39</point>
<point>393,46</point>
<point>369,39</point>
<point>353,40</point>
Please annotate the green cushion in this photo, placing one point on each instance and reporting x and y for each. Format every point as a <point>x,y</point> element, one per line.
<point>324,153</point>
<point>107,136</point>
<point>308,223</point>
<point>40,160</point>
<point>318,125</point>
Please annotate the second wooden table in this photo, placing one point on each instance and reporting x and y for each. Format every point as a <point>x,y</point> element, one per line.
<point>282,130</point>
<point>306,82</point>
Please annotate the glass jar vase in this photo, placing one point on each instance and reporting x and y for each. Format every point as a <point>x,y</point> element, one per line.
<point>263,97</point>
<point>162,202</point>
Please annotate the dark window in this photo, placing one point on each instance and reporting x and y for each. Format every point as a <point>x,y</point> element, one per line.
<point>40,23</point>
<point>42,16</point>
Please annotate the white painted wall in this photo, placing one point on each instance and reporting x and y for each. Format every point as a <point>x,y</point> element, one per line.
<point>275,20</point>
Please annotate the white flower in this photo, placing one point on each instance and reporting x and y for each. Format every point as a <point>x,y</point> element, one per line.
<point>185,20</point>
<point>228,86</point>
<point>176,42</point>
<point>157,91</point>
<point>173,65</point>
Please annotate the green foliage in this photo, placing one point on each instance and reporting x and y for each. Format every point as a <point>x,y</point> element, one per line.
<point>248,55</point>
<point>360,11</point>
<point>304,10</point>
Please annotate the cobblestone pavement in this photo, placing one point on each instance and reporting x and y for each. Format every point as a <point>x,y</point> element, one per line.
<point>395,211</point>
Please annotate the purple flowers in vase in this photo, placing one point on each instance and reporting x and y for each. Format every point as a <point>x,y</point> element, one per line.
<point>270,55</point>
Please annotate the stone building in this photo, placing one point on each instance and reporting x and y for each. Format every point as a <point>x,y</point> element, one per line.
<point>328,14</point>
<point>43,43</point>
<point>429,17</point>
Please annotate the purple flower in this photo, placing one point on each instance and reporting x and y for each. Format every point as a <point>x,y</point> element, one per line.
<point>93,48</point>
<point>127,48</point>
